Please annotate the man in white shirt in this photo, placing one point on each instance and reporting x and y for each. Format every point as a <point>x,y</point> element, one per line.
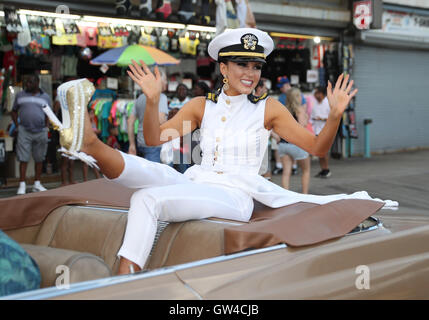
<point>319,115</point>
<point>181,97</point>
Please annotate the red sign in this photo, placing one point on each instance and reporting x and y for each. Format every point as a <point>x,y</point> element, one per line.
<point>362,14</point>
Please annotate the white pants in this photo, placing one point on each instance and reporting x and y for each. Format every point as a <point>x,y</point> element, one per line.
<point>168,195</point>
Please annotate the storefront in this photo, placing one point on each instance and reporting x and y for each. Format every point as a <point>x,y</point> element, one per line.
<point>391,71</point>
<point>60,47</point>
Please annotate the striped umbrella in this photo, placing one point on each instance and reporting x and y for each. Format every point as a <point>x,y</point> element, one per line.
<point>122,56</point>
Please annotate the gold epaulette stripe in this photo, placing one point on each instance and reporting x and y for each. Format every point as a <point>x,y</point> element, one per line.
<point>255,99</point>
<point>212,96</point>
<point>244,54</point>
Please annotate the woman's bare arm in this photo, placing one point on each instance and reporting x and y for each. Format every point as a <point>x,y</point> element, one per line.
<point>186,120</point>
<point>279,119</point>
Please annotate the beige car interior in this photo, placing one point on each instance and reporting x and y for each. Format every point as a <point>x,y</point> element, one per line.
<point>87,239</point>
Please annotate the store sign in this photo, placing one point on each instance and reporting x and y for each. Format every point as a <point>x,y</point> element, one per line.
<point>362,14</point>
<point>112,83</point>
<point>294,79</point>
<point>405,24</point>
<point>312,76</point>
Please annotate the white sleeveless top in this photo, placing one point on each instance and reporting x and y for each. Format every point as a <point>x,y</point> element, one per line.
<point>233,142</point>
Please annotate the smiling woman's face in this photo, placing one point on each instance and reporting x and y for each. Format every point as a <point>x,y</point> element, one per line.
<point>242,76</point>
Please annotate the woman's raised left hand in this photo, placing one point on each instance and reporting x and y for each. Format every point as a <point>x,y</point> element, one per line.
<point>339,97</point>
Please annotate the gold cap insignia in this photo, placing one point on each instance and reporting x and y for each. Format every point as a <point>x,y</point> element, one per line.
<point>249,41</point>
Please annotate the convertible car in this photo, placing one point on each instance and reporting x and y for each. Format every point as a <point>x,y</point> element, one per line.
<point>347,249</point>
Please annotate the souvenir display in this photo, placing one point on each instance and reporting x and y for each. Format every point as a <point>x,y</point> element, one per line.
<point>206,18</point>
<point>121,7</point>
<point>231,16</point>
<point>186,12</point>
<point>174,41</point>
<point>189,43</point>
<point>48,25</point>
<point>145,8</point>
<point>134,35</point>
<point>163,10</point>
<point>163,40</point>
<point>148,37</point>
<point>13,24</point>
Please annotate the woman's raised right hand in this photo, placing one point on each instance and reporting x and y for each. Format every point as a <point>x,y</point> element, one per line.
<point>149,82</point>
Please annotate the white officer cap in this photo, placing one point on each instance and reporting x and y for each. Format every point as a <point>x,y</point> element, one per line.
<point>242,44</point>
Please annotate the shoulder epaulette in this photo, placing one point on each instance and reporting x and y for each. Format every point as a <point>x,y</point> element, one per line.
<point>255,99</point>
<point>213,96</point>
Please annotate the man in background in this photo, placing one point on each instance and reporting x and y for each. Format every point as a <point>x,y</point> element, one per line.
<point>32,130</point>
<point>319,115</point>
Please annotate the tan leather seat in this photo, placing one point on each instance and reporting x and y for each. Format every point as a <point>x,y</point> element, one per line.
<point>87,239</point>
<point>189,241</point>
<point>84,239</point>
<point>80,266</point>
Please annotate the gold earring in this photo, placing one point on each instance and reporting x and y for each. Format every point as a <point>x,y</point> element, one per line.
<point>225,84</point>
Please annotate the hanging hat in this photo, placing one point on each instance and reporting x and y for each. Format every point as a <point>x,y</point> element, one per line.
<point>281,81</point>
<point>242,44</point>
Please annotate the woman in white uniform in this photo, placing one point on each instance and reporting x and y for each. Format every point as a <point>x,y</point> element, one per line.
<point>235,127</point>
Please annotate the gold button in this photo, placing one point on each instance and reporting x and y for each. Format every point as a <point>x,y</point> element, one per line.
<point>219,172</point>
<point>223,118</point>
<point>217,139</point>
<point>228,102</point>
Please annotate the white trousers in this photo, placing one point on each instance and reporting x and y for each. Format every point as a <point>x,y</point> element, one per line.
<point>168,195</point>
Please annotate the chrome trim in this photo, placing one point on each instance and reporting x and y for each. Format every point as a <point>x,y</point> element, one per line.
<point>102,208</point>
<point>51,292</point>
<point>378,224</point>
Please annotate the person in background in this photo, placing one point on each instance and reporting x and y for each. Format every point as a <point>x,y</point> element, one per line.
<point>170,148</point>
<point>180,98</point>
<point>67,164</point>
<point>137,114</point>
<point>32,130</point>
<point>261,88</point>
<point>51,164</point>
<point>112,139</point>
<point>265,169</point>
<point>200,89</point>
<point>178,102</point>
<point>97,132</point>
<point>290,152</point>
<point>319,116</point>
<point>284,85</point>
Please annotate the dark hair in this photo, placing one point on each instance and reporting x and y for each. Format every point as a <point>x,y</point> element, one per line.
<point>181,85</point>
<point>260,84</point>
<point>321,89</point>
<point>172,113</point>
<point>112,126</point>
<point>203,86</point>
<point>33,76</point>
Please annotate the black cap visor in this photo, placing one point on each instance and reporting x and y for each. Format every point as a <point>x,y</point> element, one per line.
<point>241,59</point>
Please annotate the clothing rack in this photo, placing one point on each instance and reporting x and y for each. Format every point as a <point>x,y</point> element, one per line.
<point>109,111</point>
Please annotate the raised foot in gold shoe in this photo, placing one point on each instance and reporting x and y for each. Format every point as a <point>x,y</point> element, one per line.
<point>74,97</point>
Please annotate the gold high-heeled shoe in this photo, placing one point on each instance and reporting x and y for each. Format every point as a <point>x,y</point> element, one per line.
<point>74,97</point>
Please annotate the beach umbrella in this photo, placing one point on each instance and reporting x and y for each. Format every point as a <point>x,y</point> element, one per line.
<point>122,56</point>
